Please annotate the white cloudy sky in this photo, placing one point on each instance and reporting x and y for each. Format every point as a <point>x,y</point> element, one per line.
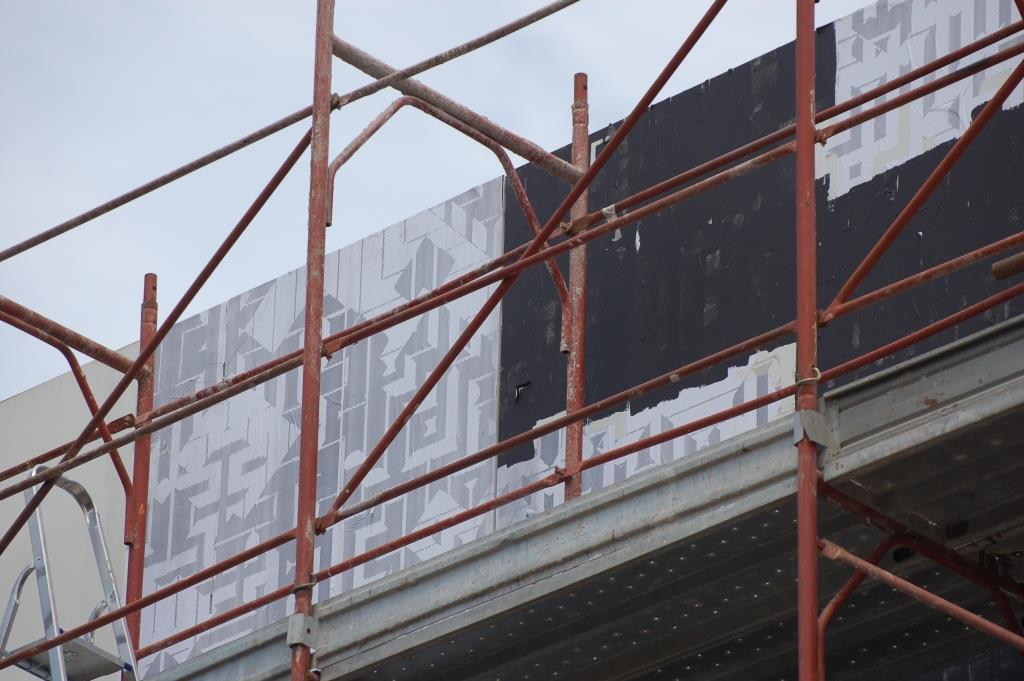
<point>100,97</point>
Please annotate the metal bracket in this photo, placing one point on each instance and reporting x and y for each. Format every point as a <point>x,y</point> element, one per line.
<point>814,425</point>
<point>303,630</point>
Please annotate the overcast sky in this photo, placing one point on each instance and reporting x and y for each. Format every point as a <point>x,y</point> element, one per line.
<point>100,97</point>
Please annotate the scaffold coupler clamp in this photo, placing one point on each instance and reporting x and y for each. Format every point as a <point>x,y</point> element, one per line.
<point>303,630</point>
<point>814,425</point>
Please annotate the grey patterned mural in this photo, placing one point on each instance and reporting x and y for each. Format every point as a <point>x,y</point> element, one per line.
<point>885,40</point>
<point>226,479</point>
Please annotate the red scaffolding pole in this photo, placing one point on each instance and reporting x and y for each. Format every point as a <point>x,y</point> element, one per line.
<point>138,513</point>
<point>575,375</point>
<point>807,373</point>
<point>309,428</point>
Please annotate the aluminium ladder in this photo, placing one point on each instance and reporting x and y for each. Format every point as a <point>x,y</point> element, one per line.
<point>79,659</point>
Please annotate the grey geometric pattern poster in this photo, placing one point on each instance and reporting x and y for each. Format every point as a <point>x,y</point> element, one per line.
<point>226,479</point>
<point>886,40</point>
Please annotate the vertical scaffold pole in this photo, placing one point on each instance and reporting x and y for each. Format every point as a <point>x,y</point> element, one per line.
<point>806,345</point>
<point>309,436</point>
<point>576,369</point>
<point>137,511</point>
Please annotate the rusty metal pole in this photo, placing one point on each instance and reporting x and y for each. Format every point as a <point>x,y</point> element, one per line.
<point>1007,267</point>
<point>312,349</point>
<point>576,369</point>
<point>841,555</point>
<point>806,346</point>
<point>87,394</point>
<point>137,512</point>
<point>1003,603</point>
<point>531,151</point>
<point>842,596</point>
<point>69,337</point>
